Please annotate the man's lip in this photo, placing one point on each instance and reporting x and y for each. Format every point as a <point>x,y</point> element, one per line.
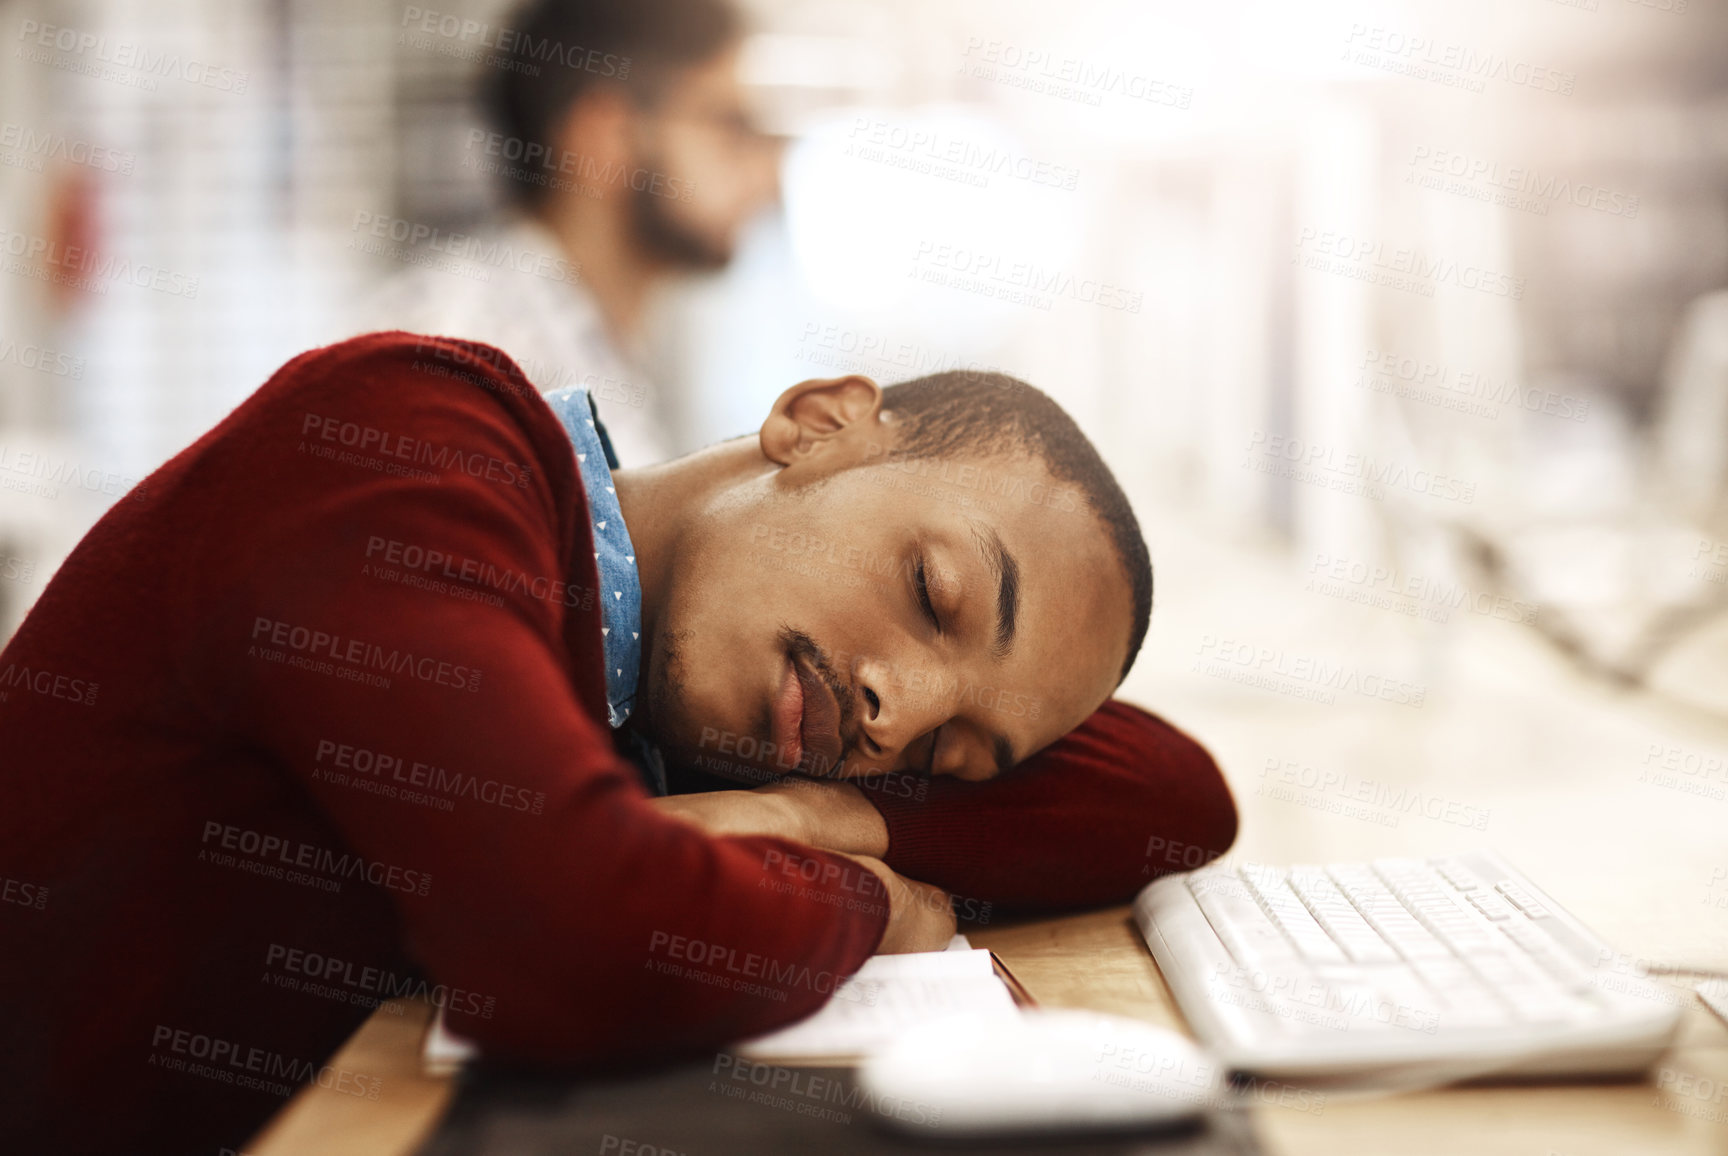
<point>788,718</point>
<point>820,732</point>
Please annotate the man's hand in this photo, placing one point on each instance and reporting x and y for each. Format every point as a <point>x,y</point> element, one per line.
<point>920,917</point>
<point>831,815</point>
<point>836,817</point>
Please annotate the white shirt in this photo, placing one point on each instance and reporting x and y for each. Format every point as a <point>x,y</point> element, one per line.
<point>512,287</point>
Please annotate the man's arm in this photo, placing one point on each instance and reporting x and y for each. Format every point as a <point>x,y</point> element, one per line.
<point>837,816</point>
<point>1091,819</point>
<point>1088,821</point>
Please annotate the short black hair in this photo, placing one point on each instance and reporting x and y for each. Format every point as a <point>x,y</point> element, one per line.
<point>560,49</point>
<point>965,413</point>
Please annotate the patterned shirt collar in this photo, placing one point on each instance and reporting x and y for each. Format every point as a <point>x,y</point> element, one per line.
<point>614,556</point>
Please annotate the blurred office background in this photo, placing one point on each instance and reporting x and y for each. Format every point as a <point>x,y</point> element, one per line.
<point>1404,324</point>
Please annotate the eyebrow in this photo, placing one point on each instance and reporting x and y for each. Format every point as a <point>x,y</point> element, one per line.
<point>1007,571</point>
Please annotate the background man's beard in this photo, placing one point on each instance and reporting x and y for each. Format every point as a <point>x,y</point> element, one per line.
<point>664,237</point>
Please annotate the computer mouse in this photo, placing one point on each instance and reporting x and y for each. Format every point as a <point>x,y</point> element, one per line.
<point>1038,1071</point>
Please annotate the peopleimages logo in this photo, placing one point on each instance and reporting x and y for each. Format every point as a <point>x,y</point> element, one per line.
<point>42,359</point>
<point>1372,800</point>
<point>536,163</point>
<point>49,684</point>
<point>800,1091</point>
<point>514,42</point>
<point>43,474</point>
<point>720,965</point>
<point>24,142</point>
<point>90,270</point>
<point>1394,266</point>
<point>989,483</point>
<point>31,895</point>
<point>857,350</point>
<point>376,983</point>
<point>931,152</point>
<point>1016,282</point>
<point>355,652</point>
<point>343,763</point>
<point>1303,676</point>
<point>1065,77</point>
<point>489,251</point>
<point>417,560</point>
<point>1514,186</point>
<point>274,852</point>
<point>152,63</point>
<point>1456,65</point>
<point>1347,471</point>
<point>370,439</point>
<point>251,1067</point>
<point>1464,390</point>
<point>1384,587</point>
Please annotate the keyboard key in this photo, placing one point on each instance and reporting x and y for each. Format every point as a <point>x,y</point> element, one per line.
<point>1531,994</point>
<point>1550,957</point>
<point>1458,875</point>
<point>1291,917</point>
<point>1350,1004</point>
<point>1388,916</point>
<point>1333,912</point>
<point>1473,1010</point>
<point>1229,907</point>
<point>1489,906</point>
<point>1521,899</point>
<point>1432,904</point>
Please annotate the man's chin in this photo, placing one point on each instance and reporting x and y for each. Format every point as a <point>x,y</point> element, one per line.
<point>674,243</point>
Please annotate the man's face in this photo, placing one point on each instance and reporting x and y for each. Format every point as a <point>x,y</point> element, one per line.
<point>854,613</point>
<point>710,170</point>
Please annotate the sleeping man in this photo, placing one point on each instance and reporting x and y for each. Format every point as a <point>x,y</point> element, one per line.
<point>393,684</point>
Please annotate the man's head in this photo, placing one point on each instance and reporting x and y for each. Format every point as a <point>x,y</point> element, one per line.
<point>940,577</point>
<point>636,108</point>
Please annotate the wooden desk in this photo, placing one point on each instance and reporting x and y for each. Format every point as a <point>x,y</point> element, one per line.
<point>1098,961</point>
<point>1560,766</point>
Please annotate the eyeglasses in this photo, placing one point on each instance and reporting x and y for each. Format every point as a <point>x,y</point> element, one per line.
<point>736,126</point>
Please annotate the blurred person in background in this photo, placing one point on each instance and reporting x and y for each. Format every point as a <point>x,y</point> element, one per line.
<point>620,136</point>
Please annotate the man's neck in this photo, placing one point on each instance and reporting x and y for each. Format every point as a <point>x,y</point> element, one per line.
<point>661,502</point>
<point>596,235</point>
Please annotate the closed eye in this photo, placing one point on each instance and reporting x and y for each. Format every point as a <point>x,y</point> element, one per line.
<point>923,587</point>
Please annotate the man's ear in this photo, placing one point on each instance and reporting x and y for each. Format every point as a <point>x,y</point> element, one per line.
<point>812,413</point>
<point>596,128</point>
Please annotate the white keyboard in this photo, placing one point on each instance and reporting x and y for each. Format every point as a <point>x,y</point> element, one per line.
<point>1457,967</point>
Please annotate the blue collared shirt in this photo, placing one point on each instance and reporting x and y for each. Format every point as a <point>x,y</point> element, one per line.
<point>614,556</point>
<point>620,582</point>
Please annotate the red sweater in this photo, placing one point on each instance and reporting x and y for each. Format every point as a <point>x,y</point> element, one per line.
<point>255,781</point>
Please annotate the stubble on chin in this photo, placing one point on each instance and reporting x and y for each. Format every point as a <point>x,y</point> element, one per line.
<point>663,678</point>
<point>657,229</point>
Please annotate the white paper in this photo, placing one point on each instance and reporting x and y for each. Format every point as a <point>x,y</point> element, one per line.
<point>889,994</point>
<point>444,1051</point>
<point>1714,993</point>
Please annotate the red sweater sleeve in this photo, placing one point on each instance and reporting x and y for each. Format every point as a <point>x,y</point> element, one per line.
<point>1088,821</point>
<point>589,925</point>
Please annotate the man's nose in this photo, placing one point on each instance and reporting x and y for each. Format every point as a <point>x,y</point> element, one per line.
<point>895,708</point>
<point>768,174</point>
